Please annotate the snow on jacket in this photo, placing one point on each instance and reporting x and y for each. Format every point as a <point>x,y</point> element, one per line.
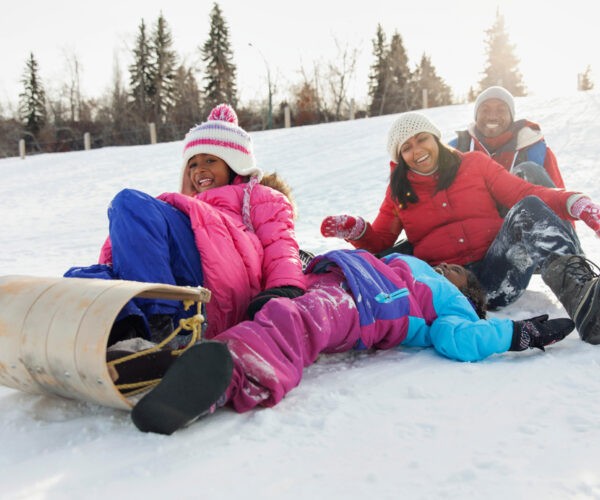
<point>525,143</point>
<point>239,257</point>
<point>458,224</point>
<point>355,299</point>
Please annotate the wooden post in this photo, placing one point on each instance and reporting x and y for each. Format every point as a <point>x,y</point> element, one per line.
<point>352,109</point>
<point>152,127</point>
<point>425,104</point>
<point>286,117</point>
<point>87,141</point>
<point>22,148</point>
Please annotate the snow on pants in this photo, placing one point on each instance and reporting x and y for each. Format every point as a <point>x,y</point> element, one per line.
<point>152,242</point>
<point>287,335</point>
<point>530,232</point>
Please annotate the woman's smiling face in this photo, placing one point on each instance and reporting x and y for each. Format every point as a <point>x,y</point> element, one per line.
<point>421,152</point>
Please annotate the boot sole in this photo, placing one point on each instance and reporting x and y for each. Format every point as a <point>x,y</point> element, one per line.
<point>192,384</point>
<point>585,312</point>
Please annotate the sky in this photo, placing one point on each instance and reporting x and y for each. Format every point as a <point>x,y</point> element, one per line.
<point>555,40</point>
<point>404,423</point>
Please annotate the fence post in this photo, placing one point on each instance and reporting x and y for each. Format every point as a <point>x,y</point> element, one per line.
<point>286,117</point>
<point>425,104</point>
<point>87,141</point>
<point>352,109</point>
<point>152,127</point>
<point>22,148</point>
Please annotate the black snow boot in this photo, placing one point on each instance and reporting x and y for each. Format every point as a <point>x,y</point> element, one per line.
<point>193,387</point>
<point>576,283</point>
<point>539,332</point>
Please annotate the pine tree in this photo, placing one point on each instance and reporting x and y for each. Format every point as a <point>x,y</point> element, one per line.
<point>32,101</point>
<point>163,62</point>
<point>220,71</point>
<point>379,77</point>
<point>502,64</point>
<point>141,83</point>
<point>585,80</point>
<point>425,77</point>
<point>399,98</point>
<point>186,109</point>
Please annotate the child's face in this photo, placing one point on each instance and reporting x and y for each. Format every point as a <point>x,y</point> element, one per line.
<point>204,172</point>
<point>455,274</point>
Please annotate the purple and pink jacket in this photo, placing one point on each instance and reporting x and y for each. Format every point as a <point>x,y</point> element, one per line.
<point>244,233</point>
<point>354,300</point>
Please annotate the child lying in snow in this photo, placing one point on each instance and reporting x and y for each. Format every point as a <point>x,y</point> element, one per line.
<point>353,301</point>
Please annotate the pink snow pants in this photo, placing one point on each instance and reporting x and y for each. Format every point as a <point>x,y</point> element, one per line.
<point>286,335</point>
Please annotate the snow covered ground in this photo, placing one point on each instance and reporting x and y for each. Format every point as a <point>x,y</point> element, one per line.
<point>395,424</point>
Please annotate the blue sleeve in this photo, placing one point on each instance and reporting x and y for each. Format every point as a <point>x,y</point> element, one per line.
<point>467,340</point>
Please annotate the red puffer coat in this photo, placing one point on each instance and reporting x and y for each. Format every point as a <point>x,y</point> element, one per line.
<point>456,225</point>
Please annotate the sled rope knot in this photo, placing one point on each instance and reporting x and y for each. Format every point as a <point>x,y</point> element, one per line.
<point>192,324</point>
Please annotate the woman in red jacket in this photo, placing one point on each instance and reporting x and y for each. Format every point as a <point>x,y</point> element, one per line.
<point>446,203</point>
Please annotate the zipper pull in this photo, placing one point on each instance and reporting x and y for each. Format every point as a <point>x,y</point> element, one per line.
<point>386,298</point>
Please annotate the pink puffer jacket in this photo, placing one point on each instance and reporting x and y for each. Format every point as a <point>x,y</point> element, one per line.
<point>241,256</point>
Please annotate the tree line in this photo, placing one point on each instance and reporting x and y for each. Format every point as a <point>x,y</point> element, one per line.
<point>162,91</point>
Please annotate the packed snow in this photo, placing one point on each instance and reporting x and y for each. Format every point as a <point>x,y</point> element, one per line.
<point>404,423</point>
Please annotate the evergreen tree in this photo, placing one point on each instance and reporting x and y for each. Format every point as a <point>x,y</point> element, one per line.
<point>141,83</point>
<point>399,91</point>
<point>164,60</point>
<point>585,80</point>
<point>186,109</point>
<point>425,77</point>
<point>32,101</point>
<point>380,75</point>
<point>220,71</point>
<point>502,64</point>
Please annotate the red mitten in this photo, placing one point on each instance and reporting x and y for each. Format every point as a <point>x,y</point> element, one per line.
<point>343,226</point>
<point>587,211</point>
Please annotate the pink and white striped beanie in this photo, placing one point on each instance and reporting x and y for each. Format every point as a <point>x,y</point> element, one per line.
<point>221,136</point>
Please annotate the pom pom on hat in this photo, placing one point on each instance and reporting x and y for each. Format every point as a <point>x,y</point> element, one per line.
<point>406,126</point>
<point>496,92</point>
<point>225,113</point>
<point>221,136</point>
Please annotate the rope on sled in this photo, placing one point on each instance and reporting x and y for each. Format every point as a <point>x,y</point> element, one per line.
<point>192,324</point>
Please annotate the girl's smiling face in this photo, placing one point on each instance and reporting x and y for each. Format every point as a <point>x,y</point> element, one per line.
<point>421,152</point>
<point>203,172</point>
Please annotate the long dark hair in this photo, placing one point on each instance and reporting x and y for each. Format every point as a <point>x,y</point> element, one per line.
<point>402,191</point>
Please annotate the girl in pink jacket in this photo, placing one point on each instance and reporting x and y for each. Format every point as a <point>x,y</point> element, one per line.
<point>225,230</point>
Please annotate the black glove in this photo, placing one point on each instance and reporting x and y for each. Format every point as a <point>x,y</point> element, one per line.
<point>539,332</point>
<point>291,292</point>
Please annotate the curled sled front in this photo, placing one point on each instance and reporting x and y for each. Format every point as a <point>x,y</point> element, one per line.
<point>54,333</point>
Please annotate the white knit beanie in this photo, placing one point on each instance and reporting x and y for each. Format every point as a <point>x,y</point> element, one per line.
<point>496,93</point>
<point>221,136</point>
<point>405,127</point>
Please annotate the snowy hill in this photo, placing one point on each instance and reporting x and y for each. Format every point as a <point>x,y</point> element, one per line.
<point>395,424</point>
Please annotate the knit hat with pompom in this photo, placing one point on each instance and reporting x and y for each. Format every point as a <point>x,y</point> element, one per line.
<point>221,136</point>
<point>406,126</point>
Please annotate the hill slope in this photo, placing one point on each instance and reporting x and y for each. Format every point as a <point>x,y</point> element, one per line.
<point>396,424</point>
